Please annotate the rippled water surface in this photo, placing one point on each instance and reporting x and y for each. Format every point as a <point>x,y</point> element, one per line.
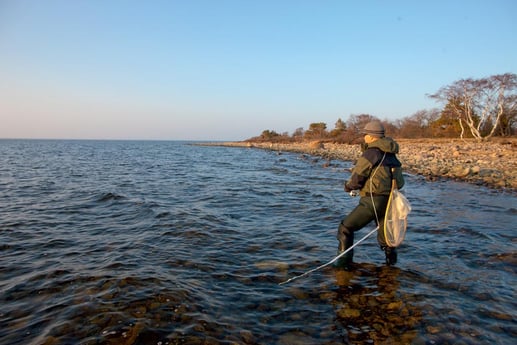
<point>112,242</point>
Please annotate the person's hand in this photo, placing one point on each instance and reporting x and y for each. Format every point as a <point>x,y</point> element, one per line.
<point>354,193</point>
<point>347,189</point>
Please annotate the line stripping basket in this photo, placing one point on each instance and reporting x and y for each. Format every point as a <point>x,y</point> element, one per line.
<point>395,220</point>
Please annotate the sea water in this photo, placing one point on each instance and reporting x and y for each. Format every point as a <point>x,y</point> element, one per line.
<point>142,242</point>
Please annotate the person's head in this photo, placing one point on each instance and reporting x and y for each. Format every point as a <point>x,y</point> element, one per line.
<point>372,131</point>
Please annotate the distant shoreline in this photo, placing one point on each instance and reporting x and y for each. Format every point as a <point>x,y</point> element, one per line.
<point>492,164</point>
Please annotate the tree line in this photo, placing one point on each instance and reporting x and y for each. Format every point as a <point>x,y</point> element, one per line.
<point>471,108</point>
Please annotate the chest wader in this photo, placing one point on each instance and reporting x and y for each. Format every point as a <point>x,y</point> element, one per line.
<point>369,209</point>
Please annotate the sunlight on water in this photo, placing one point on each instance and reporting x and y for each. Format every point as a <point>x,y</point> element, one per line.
<point>107,242</point>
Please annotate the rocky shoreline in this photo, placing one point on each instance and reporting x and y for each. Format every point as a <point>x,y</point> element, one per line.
<point>492,164</point>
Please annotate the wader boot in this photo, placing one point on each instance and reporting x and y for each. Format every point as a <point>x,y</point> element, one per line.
<point>391,255</point>
<point>346,240</point>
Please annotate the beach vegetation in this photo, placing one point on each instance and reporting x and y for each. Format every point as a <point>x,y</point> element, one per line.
<point>317,130</point>
<point>472,108</point>
<point>481,106</point>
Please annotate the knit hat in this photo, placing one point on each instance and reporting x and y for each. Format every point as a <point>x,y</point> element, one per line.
<point>374,128</point>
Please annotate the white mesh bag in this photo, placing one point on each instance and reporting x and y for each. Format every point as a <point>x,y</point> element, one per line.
<point>395,221</point>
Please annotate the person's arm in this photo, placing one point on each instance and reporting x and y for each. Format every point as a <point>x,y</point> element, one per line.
<point>363,168</point>
<point>360,174</point>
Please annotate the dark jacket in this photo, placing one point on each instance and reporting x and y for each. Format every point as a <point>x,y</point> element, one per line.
<point>372,173</point>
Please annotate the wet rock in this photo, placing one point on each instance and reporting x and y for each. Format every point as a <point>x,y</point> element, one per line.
<point>347,313</point>
<point>296,337</point>
<point>494,162</point>
<point>247,337</point>
<point>395,305</point>
<point>433,329</point>
<point>299,293</point>
<point>460,171</point>
<point>484,172</point>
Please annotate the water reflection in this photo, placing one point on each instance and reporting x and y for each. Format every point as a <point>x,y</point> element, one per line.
<point>371,309</point>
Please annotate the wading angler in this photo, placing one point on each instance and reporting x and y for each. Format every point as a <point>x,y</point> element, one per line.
<point>376,172</point>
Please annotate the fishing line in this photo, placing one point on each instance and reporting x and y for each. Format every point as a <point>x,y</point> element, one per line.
<point>361,240</point>
<point>331,261</point>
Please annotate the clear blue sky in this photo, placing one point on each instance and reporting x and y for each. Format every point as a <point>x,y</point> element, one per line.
<point>227,70</point>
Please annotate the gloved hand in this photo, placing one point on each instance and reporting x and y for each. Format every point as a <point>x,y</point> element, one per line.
<point>347,189</point>
<point>354,193</point>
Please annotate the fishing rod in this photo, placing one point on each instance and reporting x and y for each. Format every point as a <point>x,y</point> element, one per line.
<point>331,261</point>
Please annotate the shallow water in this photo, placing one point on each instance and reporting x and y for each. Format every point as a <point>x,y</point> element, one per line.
<point>113,242</point>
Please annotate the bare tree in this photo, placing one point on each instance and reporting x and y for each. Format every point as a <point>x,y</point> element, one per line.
<point>269,134</point>
<point>419,124</point>
<point>391,128</point>
<point>357,122</point>
<point>298,133</point>
<point>479,104</point>
<point>316,131</point>
<point>447,124</point>
<point>339,129</point>
<point>340,125</point>
<point>508,122</point>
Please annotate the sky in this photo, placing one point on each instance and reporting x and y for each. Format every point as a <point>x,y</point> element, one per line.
<point>228,70</point>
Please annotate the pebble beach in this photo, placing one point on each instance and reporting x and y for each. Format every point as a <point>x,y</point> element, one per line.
<point>492,164</point>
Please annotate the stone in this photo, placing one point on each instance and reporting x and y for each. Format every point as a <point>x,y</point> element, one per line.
<point>349,313</point>
<point>437,157</point>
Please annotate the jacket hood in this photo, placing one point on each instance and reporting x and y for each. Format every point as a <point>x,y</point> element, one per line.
<point>385,144</point>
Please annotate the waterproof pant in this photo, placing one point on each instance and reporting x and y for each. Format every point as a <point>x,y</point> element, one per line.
<point>360,216</point>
